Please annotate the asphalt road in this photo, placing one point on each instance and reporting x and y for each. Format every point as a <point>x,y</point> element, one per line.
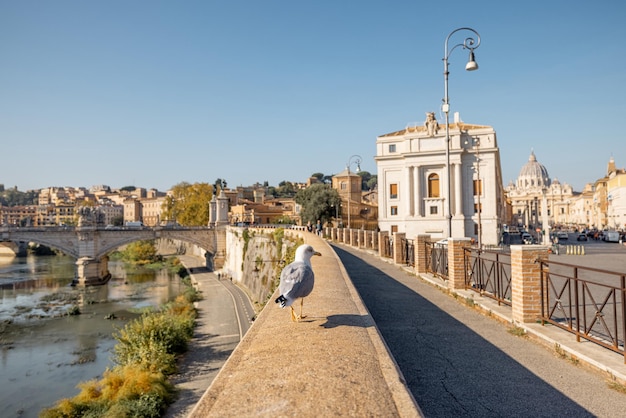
<point>458,362</point>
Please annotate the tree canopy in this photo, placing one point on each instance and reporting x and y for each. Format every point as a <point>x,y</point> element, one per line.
<point>13,197</point>
<point>188,204</point>
<point>319,201</point>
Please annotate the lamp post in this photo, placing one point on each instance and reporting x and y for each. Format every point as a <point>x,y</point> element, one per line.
<point>471,44</point>
<point>357,161</point>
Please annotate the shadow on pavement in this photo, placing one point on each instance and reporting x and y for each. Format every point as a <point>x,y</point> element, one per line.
<point>450,369</point>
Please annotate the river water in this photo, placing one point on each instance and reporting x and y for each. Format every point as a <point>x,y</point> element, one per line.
<point>46,353</point>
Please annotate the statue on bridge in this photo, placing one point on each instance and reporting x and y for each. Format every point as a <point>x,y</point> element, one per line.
<point>88,216</point>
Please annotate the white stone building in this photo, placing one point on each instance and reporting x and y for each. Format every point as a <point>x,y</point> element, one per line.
<point>413,178</point>
<point>538,202</point>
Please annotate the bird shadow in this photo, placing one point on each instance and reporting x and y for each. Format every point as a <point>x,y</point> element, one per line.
<point>350,320</point>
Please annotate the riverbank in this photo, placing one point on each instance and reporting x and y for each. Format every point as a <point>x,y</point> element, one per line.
<point>45,357</point>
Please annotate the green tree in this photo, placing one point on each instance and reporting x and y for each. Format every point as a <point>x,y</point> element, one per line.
<point>372,182</point>
<point>188,204</point>
<point>318,202</point>
<point>13,197</point>
<point>319,176</point>
<point>117,220</point>
<point>285,189</point>
<point>141,252</point>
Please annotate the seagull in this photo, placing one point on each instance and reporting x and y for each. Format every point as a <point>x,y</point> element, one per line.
<point>296,280</point>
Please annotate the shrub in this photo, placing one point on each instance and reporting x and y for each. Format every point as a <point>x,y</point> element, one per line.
<point>145,354</point>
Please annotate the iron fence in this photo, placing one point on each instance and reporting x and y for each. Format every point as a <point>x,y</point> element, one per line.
<point>488,273</point>
<point>588,302</point>
<point>408,252</point>
<point>437,259</point>
<point>387,247</point>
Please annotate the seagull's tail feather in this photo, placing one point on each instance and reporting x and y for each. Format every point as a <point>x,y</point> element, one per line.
<point>282,301</point>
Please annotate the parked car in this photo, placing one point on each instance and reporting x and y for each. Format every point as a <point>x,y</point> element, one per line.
<point>527,238</point>
<point>581,237</point>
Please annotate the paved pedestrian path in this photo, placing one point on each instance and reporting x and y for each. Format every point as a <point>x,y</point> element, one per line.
<point>460,362</point>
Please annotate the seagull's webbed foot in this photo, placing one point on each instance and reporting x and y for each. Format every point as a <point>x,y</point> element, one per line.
<point>294,317</point>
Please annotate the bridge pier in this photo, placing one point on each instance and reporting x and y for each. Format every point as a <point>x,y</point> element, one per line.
<point>91,271</point>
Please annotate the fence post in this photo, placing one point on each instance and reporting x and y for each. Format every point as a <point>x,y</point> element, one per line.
<point>397,247</point>
<point>456,263</point>
<point>420,253</point>
<point>526,282</point>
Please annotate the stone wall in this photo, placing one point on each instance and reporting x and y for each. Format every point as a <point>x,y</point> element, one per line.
<point>255,257</point>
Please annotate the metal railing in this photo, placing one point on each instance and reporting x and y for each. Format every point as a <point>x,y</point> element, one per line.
<point>588,302</point>
<point>387,247</point>
<point>488,273</point>
<point>437,259</point>
<point>408,252</point>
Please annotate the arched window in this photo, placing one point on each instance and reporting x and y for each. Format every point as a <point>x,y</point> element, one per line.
<point>433,186</point>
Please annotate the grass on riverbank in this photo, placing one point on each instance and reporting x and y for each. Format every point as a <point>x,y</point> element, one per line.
<point>145,355</point>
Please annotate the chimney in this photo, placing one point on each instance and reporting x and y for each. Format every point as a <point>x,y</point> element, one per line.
<point>457,119</point>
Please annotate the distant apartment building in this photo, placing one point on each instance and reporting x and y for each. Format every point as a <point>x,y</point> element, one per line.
<point>18,215</point>
<point>111,212</point>
<point>152,209</point>
<point>132,210</point>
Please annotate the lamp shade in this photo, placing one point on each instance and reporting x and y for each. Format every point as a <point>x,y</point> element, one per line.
<point>471,63</point>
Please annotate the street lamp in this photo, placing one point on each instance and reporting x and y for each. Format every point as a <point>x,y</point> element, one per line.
<point>471,44</point>
<point>357,161</point>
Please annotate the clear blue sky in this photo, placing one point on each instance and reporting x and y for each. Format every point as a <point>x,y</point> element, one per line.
<point>152,93</point>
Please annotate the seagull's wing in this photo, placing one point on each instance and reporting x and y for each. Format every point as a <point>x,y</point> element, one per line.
<point>296,281</point>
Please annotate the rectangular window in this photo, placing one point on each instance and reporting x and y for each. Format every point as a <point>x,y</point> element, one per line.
<point>393,191</point>
<point>476,207</point>
<point>392,147</point>
<point>478,187</point>
<point>433,210</point>
<point>394,210</point>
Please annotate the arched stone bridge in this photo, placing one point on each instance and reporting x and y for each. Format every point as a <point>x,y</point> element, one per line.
<point>90,245</point>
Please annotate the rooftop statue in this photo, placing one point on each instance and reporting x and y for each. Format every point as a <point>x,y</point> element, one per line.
<point>432,127</point>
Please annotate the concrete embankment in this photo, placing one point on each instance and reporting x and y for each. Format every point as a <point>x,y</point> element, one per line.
<point>332,363</point>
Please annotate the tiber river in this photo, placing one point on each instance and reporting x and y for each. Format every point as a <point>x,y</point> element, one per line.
<point>45,353</point>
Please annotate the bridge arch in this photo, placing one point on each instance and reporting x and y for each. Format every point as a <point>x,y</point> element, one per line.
<point>90,245</point>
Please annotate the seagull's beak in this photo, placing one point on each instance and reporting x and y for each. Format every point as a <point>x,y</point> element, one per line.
<point>317,253</point>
